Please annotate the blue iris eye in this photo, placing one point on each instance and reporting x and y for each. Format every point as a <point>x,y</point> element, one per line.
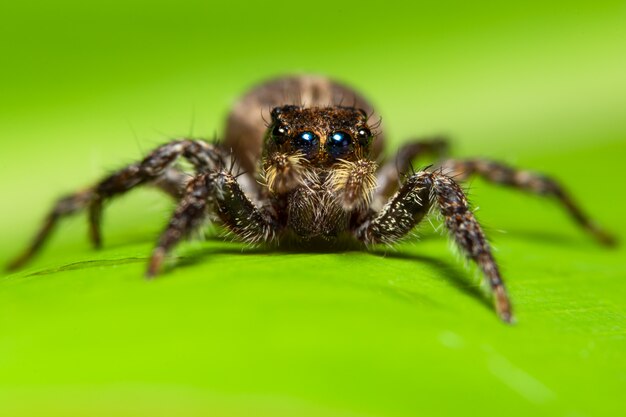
<point>339,144</point>
<point>306,142</point>
<point>339,137</point>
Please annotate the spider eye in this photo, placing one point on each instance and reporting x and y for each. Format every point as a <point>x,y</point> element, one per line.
<point>280,132</point>
<point>305,141</point>
<point>339,143</point>
<point>364,135</point>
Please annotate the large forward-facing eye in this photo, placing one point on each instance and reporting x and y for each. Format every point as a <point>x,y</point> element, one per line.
<point>339,144</point>
<point>307,142</point>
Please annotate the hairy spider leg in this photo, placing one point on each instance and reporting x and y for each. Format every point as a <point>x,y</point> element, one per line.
<point>536,183</point>
<point>388,177</point>
<point>154,167</point>
<point>220,193</point>
<point>409,206</point>
<point>173,182</point>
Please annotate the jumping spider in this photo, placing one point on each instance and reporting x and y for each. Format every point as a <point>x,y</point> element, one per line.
<point>310,173</point>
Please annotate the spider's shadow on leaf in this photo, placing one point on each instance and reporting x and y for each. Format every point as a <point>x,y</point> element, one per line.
<point>456,276</point>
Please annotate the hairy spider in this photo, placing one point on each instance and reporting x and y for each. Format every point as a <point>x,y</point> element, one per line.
<point>311,173</point>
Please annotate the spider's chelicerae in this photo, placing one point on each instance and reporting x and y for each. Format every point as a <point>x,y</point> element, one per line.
<point>311,172</point>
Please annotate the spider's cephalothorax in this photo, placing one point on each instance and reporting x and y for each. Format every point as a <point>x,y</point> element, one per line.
<point>317,161</point>
<point>310,172</point>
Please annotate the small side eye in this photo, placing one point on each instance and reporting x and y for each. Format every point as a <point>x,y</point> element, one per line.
<point>305,141</point>
<point>339,144</point>
<point>280,133</point>
<point>364,135</point>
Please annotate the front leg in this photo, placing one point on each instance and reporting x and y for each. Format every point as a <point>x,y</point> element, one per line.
<point>409,206</point>
<point>220,193</point>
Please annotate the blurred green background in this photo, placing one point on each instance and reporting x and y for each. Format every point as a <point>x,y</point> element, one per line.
<point>89,86</point>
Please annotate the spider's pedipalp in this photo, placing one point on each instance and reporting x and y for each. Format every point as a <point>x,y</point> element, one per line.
<point>283,172</point>
<point>353,182</point>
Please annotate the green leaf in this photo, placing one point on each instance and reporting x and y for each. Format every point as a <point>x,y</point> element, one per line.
<point>231,330</point>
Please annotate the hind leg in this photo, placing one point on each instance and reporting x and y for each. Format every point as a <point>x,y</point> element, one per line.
<point>152,168</point>
<point>535,183</point>
<point>389,175</point>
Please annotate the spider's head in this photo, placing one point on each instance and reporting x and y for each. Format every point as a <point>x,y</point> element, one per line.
<point>300,138</point>
<point>322,135</point>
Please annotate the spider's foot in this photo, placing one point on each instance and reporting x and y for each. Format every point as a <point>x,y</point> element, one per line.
<point>96,242</point>
<point>18,263</point>
<point>603,237</point>
<point>156,263</point>
<point>503,305</point>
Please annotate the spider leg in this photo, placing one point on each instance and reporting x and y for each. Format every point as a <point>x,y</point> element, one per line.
<point>389,175</point>
<point>173,182</point>
<point>536,183</point>
<point>63,207</point>
<point>155,167</point>
<point>220,193</point>
<point>409,206</point>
